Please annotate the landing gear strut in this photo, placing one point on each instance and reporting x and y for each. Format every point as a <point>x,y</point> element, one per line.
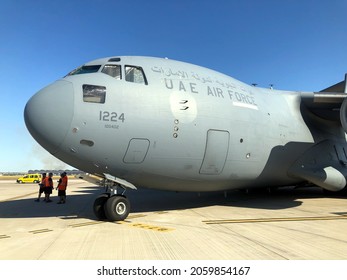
<point>113,205</point>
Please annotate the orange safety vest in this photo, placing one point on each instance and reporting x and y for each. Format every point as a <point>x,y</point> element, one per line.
<point>49,182</point>
<point>63,184</point>
<point>43,181</point>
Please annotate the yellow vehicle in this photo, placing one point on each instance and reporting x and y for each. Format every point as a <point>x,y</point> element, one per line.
<point>30,178</point>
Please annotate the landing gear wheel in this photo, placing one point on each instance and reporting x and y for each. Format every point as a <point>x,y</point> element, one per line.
<point>117,208</point>
<point>98,206</point>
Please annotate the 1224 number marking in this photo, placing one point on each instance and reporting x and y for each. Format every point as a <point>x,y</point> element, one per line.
<point>107,116</point>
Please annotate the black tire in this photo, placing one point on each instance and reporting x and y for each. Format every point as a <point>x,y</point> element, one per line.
<point>117,208</point>
<point>98,206</point>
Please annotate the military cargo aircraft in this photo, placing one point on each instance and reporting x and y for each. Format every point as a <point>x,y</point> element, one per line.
<point>164,124</point>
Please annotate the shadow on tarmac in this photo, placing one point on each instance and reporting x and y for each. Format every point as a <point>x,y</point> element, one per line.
<point>146,200</point>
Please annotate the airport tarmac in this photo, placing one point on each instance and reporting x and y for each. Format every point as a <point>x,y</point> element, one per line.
<point>295,224</point>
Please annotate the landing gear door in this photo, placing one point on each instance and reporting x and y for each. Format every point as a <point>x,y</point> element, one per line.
<point>216,152</point>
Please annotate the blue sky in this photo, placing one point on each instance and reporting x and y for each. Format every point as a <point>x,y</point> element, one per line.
<point>295,45</point>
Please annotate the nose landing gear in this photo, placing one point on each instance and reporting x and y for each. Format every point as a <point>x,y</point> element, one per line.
<point>112,205</point>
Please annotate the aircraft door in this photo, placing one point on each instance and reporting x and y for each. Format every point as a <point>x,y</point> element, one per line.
<point>216,152</point>
<point>137,150</point>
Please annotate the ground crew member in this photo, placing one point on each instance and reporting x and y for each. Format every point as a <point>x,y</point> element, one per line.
<point>41,186</point>
<point>48,187</point>
<point>62,185</point>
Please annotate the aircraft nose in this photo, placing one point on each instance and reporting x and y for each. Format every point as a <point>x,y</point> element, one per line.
<point>48,114</point>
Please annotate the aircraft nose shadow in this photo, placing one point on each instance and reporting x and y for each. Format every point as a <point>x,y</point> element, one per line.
<point>80,205</point>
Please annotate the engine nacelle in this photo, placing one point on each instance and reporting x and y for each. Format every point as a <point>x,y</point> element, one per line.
<point>321,166</point>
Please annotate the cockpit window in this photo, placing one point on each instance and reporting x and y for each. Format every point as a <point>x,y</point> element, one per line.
<point>113,70</point>
<point>85,69</point>
<point>135,74</point>
<point>94,94</point>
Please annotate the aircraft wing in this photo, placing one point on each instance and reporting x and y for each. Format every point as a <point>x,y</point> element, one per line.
<point>339,87</point>
<point>329,103</point>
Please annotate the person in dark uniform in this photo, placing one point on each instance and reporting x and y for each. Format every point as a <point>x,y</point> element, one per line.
<point>62,185</point>
<point>41,186</point>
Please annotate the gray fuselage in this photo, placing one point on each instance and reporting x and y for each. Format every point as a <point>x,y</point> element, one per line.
<point>174,126</point>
